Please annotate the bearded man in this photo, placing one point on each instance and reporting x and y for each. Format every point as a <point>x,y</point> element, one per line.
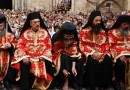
<point>94,45</point>
<point>33,57</point>
<point>67,57</point>
<point>7,47</point>
<point>119,39</point>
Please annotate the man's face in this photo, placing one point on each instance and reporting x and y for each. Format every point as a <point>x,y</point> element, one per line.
<point>97,20</point>
<point>68,39</point>
<point>1,26</point>
<point>125,26</point>
<point>96,27</point>
<point>35,24</point>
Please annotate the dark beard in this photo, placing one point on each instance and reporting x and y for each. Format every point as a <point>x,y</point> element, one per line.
<point>124,32</point>
<point>96,28</point>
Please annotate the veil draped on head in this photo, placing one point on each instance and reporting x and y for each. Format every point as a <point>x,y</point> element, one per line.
<point>91,18</point>
<point>121,19</point>
<point>3,20</point>
<point>31,16</point>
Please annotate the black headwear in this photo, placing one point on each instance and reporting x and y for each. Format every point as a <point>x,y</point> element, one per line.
<point>66,28</point>
<point>3,20</point>
<point>91,18</point>
<point>31,16</point>
<point>121,19</point>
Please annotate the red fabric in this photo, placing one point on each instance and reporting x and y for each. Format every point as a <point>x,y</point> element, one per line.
<point>87,43</point>
<point>118,44</point>
<point>4,53</point>
<point>34,45</point>
<point>60,47</point>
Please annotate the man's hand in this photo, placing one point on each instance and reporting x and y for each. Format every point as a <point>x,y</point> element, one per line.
<point>26,60</point>
<point>74,71</point>
<point>66,73</point>
<point>6,45</point>
<point>97,55</point>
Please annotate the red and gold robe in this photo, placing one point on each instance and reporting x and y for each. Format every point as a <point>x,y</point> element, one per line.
<point>119,45</point>
<point>5,53</point>
<point>60,47</point>
<point>35,45</point>
<point>90,43</point>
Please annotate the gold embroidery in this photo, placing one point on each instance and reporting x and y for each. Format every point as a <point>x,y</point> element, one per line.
<point>94,40</point>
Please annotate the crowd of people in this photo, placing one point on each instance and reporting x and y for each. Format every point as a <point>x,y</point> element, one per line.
<point>46,50</point>
<point>54,20</point>
<point>63,7</point>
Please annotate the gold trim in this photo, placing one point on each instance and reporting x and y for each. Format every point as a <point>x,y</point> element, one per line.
<point>45,70</point>
<point>120,56</point>
<point>1,61</point>
<point>46,58</point>
<point>18,60</point>
<point>58,67</point>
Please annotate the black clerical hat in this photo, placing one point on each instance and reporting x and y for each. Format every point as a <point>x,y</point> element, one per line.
<point>121,19</point>
<point>2,18</point>
<point>34,15</point>
<point>91,18</point>
<point>68,28</point>
<point>31,16</point>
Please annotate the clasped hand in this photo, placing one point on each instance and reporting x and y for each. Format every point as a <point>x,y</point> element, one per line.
<point>97,55</point>
<point>26,60</point>
<point>6,45</point>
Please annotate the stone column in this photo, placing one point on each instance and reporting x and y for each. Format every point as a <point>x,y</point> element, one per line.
<point>57,1</point>
<point>19,4</point>
<point>13,4</point>
<point>25,4</point>
<point>73,5</point>
<point>54,2</point>
<point>128,2</point>
<point>22,5</point>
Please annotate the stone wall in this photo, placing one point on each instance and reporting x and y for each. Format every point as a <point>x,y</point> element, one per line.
<point>80,6</point>
<point>85,6</point>
<point>77,5</point>
<point>128,8</point>
<point>40,4</point>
